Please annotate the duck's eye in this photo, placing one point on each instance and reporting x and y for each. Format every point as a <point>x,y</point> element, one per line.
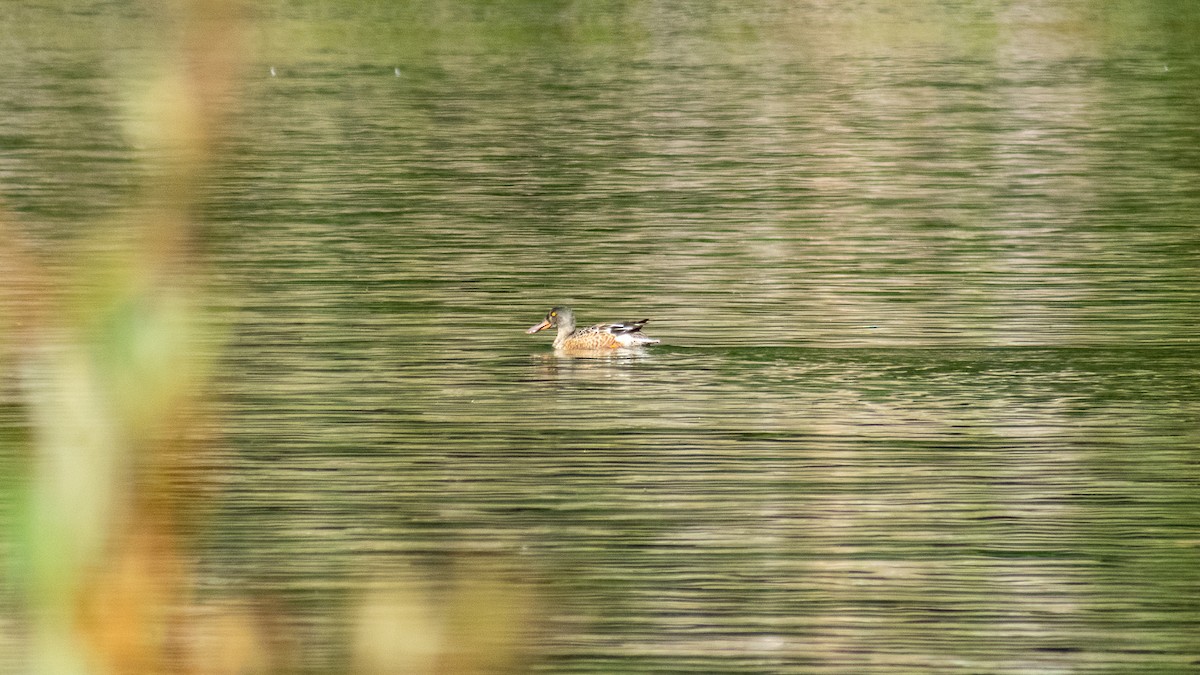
<point>553,313</point>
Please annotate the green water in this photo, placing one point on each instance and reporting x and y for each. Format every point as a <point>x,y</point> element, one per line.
<point>926,275</point>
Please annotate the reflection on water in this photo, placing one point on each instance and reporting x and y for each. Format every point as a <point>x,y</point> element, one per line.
<point>927,396</point>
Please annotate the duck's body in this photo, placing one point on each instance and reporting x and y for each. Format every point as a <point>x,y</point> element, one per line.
<point>600,337</point>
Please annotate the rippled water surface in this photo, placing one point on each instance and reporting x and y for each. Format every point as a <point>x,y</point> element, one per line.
<point>927,285</point>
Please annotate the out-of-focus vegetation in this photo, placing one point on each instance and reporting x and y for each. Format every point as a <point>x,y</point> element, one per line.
<point>107,351</point>
<point>107,347</point>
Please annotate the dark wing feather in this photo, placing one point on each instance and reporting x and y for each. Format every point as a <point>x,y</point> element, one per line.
<point>626,327</point>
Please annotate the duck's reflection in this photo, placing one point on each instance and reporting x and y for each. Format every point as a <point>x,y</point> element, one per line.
<point>583,364</point>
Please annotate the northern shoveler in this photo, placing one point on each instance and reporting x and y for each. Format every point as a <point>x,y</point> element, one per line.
<point>599,337</point>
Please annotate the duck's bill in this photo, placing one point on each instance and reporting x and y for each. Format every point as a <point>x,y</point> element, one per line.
<point>541,326</point>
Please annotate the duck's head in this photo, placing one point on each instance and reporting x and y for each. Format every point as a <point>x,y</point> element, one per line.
<point>558,316</point>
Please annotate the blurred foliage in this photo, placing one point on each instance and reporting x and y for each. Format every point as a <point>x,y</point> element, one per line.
<point>108,345</point>
<point>107,350</point>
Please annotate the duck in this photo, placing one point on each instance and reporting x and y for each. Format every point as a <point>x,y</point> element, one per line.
<point>602,336</point>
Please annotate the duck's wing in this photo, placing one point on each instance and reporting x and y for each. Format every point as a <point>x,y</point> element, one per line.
<point>628,334</point>
<point>609,336</point>
<point>622,328</point>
